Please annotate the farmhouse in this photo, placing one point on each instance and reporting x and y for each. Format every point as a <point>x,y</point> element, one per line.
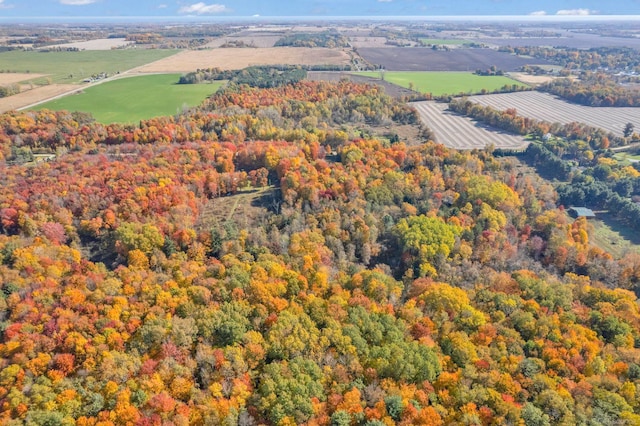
<point>577,212</point>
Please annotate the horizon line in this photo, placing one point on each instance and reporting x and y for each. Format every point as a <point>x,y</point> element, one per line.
<point>427,18</point>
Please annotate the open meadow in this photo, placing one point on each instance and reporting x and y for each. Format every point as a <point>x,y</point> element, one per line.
<point>542,106</point>
<point>73,67</point>
<point>458,132</point>
<point>442,83</point>
<point>131,99</point>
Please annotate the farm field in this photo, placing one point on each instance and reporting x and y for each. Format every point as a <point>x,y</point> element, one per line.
<point>255,40</point>
<point>531,79</point>
<point>362,41</point>
<point>458,132</point>
<point>30,97</point>
<point>238,58</point>
<point>98,44</point>
<point>425,59</point>
<point>567,39</point>
<point>131,99</point>
<point>444,41</point>
<point>542,106</point>
<point>441,83</point>
<point>16,77</point>
<point>73,67</point>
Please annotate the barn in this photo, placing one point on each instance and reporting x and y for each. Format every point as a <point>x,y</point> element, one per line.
<point>576,212</point>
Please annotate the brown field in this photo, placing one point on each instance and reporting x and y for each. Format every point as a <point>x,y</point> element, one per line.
<point>425,59</point>
<point>38,94</point>
<point>233,58</point>
<point>542,106</point>
<point>98,44</point>
<point>360,42</point>
<point>255,40</point>
<point>532,80</point>
<point>458,132</point>
<point>15,77</point>
<point>389,88</point>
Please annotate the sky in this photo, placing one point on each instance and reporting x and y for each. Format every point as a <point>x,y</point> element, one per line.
<point>265,8</point>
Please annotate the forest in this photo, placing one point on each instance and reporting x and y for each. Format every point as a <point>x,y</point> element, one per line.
<point>384,283</point>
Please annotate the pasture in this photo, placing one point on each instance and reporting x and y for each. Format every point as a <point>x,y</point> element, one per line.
<point>458,132</point>
<point>444,83</point>
<point>426,59</point>
<point>545,107</point>
<point>73,67</point>
<point>131,99</point>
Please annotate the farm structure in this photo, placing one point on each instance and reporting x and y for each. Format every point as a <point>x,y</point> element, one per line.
<point>576,212</point>
<point>545,107</point>
<point>458,132</point>
<point>425,59</point>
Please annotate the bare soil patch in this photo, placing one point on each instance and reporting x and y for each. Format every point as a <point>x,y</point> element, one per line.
<point>15,77</point>
<point>533,80</point>
<point>33,96</point>
<point>389,88</point>
<point>238,58</point>
<point>424,59</point>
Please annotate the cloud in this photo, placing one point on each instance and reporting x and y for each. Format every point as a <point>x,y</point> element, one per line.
<point>577,12</point>
<point>77,2</point>
<point>162,6</point>
<point>538,13</point>
<point>385,1</point>
<point>203,9</point>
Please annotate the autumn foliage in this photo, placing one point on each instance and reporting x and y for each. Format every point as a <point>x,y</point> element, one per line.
<point>383,283</point>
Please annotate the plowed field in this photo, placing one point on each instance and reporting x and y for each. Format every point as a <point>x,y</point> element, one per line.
<point>424,59</point>
<point>459,132</point>
<point>543,106</point>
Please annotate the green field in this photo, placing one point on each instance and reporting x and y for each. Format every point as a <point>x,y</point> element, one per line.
<point>131,99</point>
<point>444,41</point>
<point>443,83</point>
<point>73,67</point>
